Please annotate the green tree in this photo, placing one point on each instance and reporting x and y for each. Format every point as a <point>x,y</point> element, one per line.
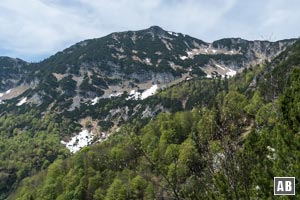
<point>117,190</point>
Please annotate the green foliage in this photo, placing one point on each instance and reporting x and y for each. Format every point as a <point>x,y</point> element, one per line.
<point>254,103</point>
<point>234,104</point>
<point>117,190</point>
<point>28,144</point>
<point>13,68</point>
<point>181,156</point>
<point>229,144</point>
<point>274,79</point>
<point>290,102</point>
<point>67,83</point>
<point>198,92</point>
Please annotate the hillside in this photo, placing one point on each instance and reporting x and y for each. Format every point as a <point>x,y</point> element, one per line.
<point>162,111</point>
<point>230,149</point>
<point>106,77</point>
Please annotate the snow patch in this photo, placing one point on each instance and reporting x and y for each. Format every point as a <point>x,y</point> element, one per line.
<point>7,92</point>
<point>147,93</point>
<point>231,73</point>
<point>214,51</point>
<point>193,52</point>
<point>115,94</point>
<point>134,95</point>
<point>95,100</point>
<point>84,138</point>
<point>22,101</point>
<point>208,76</point>
<point>148,61</point>
<point>183,57</point>
<point>190,53</point>
<point>172,33</point>
<point>151,91</point>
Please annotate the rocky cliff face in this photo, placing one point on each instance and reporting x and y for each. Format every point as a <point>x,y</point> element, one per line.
<point>255,51</point>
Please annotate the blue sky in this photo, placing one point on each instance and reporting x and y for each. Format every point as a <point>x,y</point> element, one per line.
<point>35,29</point>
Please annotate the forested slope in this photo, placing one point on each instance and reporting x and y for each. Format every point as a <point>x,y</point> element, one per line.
<point>229,146</point>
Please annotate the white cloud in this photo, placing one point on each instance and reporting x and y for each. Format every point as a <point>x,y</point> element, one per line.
<point>190,16</point>
<point>270,19</point>
<point>282,18</point>
<point>32,27</point>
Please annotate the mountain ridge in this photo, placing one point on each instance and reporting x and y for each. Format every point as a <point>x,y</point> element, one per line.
<point>228,142</point>
<point>153,27</point>
<point>128,64</point>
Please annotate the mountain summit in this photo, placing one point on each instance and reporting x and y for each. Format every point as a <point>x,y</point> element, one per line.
<point>125,61</point>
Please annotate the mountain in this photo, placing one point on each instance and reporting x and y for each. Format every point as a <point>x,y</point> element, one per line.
<point>90,91</point>
<point>105,78</point>
<point>231,147</point>
<point>129,61</point>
